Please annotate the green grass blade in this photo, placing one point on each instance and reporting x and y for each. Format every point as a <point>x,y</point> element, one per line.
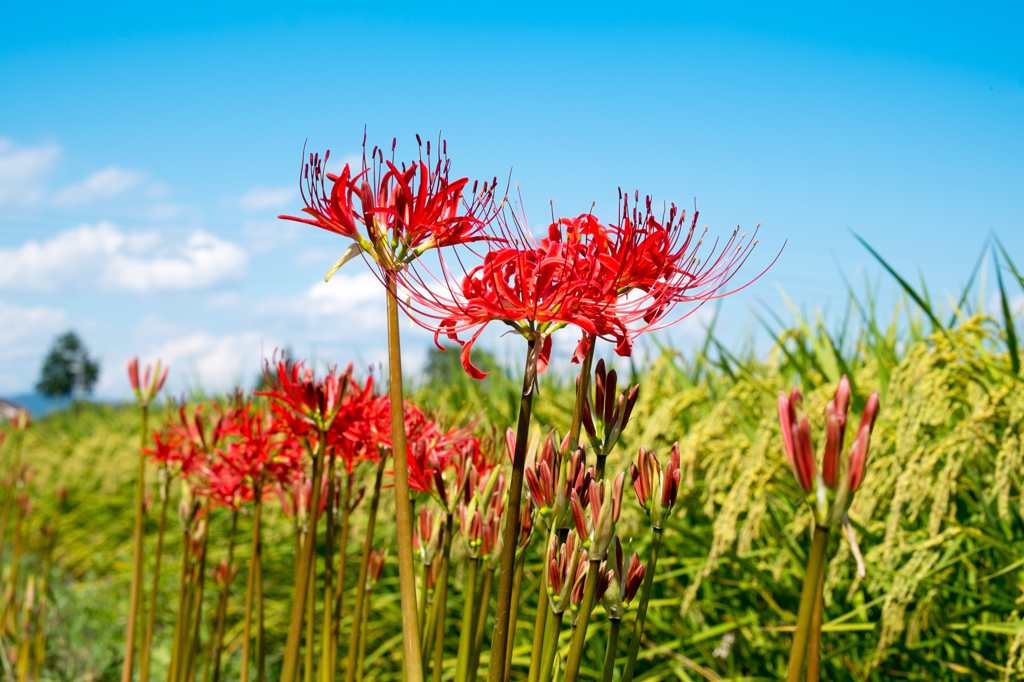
<point>1011,332</point>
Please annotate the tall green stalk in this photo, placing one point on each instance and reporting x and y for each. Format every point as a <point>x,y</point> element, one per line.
<point>809,594</point>
<point>172,668</point>
<point>255,559</point>
<point>364,627</point>
<point>222,605</point>
<point>481,623</point>
<point>200,586</point>
<point>364,564</point>
<point>290,665</point>
<point>308,671</point>
<point>641,612</point>
<point>503,608</point>
<point>403,512</point>
<point>579,635</point>
<point>517,586</point>
<point>342,561</point>
<point>609,654</point>
<point>466,626</point>
<point>134,603</point>
<point>544,615</point>
<point>551,646</point>
<point>157,559</point>
<point>441,599</point>
<point>814,647</point>
<point>325,634</point>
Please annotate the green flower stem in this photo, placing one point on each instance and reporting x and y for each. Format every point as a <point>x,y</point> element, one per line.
<point>581,395</point>
<point>543,614</point>
<point>517,586</point>
<point>325,632</point>
<point>641,612</point>
<point>809,594</point>
<point>421,607</point>
<point>261,639</point>
<point>551,647</point>
<point>290,665</point>
<point>307,670</point>
<point>481,623</point>
<point>172,667</point>
<point>340,589</point>
<point>428,638</point>
<point>255,551</point>
<point>609,654</point>
<point>441,599</point>
<point>814,646</point>
<point>503,608</point>
<point>403,510</point>
<point>579,635</point>
<point>222,605</point>
<point>134,604</point>
<point>599,468</point>
<point>364,566</point>
<point>198,603</point>
<point>466,627</point>
<point>363,630</point>
<point>151,616</point>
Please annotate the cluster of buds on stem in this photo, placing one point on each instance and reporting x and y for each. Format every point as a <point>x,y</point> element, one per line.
<point>427,535</point>
<point>223,573</point>
<point>832,488</point>
<point>656,489</point>
<point>605,503</point>
<point>375,566</point>
<point>151,383</point>
<point>620,586</point>
<point>564,560</point>
<point>610,413</point>
<point>574,479</point>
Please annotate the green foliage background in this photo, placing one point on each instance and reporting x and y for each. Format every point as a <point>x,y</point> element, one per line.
<point>938,517</point>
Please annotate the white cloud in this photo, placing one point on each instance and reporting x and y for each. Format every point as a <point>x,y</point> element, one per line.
<point>24,336</point>
<point>103,257</point>
<point>262,198</point>
<point>261,237</point>
<point>215,363</point>
<point>24,170</point>
<point>347,306</point>
<point>103,184</point>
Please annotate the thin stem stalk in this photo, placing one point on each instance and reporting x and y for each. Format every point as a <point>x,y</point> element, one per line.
<point>641,612</point>
<point>814,647</point>
<point>551,646</point>
<point>503,608</point>
<point>403,511</point>
<point>441,599</point>
<point>135,600</point>
<point>325,634</point>
<point>517,586</point>
<point>808,596</point>
<point>481,624</point>
<point>222,606</point>
<point>255,551</point>
<point>466,627</point>
<point>151,616</point>
<point>609,654</point>
<point>579,635</point>
<point>364,565</point>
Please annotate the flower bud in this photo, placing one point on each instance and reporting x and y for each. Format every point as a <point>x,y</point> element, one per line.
<point>859,450</point>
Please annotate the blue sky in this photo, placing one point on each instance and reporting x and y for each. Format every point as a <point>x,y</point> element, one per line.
<point>146,150</point>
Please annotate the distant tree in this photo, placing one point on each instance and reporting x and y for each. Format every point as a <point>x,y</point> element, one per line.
<point>68,370</point>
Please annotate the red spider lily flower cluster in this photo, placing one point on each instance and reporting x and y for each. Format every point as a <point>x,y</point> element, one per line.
<point>613,281</point>
<point>622,585</point>
<point>151,383</point>
<point>656,489</point>
<point>564,560</point>
<point>612,410</point>
<point>296,392</point>
<point>605,503</point>
<point>839,478</point>
<point>447,464</point>
<point>404,211</point>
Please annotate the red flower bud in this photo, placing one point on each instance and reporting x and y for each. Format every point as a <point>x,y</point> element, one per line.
<point>859,451</point>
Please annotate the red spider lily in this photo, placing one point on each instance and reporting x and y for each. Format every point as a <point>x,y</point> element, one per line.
<point>376,565</point>
<point>612,411</point>
<point>859,450</point>
<point>656,490</point>
<point>534,287</point>
<point>581,578</point>
<point>175,453</point>
<point>427,535</point>
<point>362,426</point>
<point>541,476</point>
<point>152,381</point>
<point>834,490</point>
<point>404,211</point>
<point>294,388</point>
<point>796,434</point>
<point>605,506</point>
<point>563,562</point>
